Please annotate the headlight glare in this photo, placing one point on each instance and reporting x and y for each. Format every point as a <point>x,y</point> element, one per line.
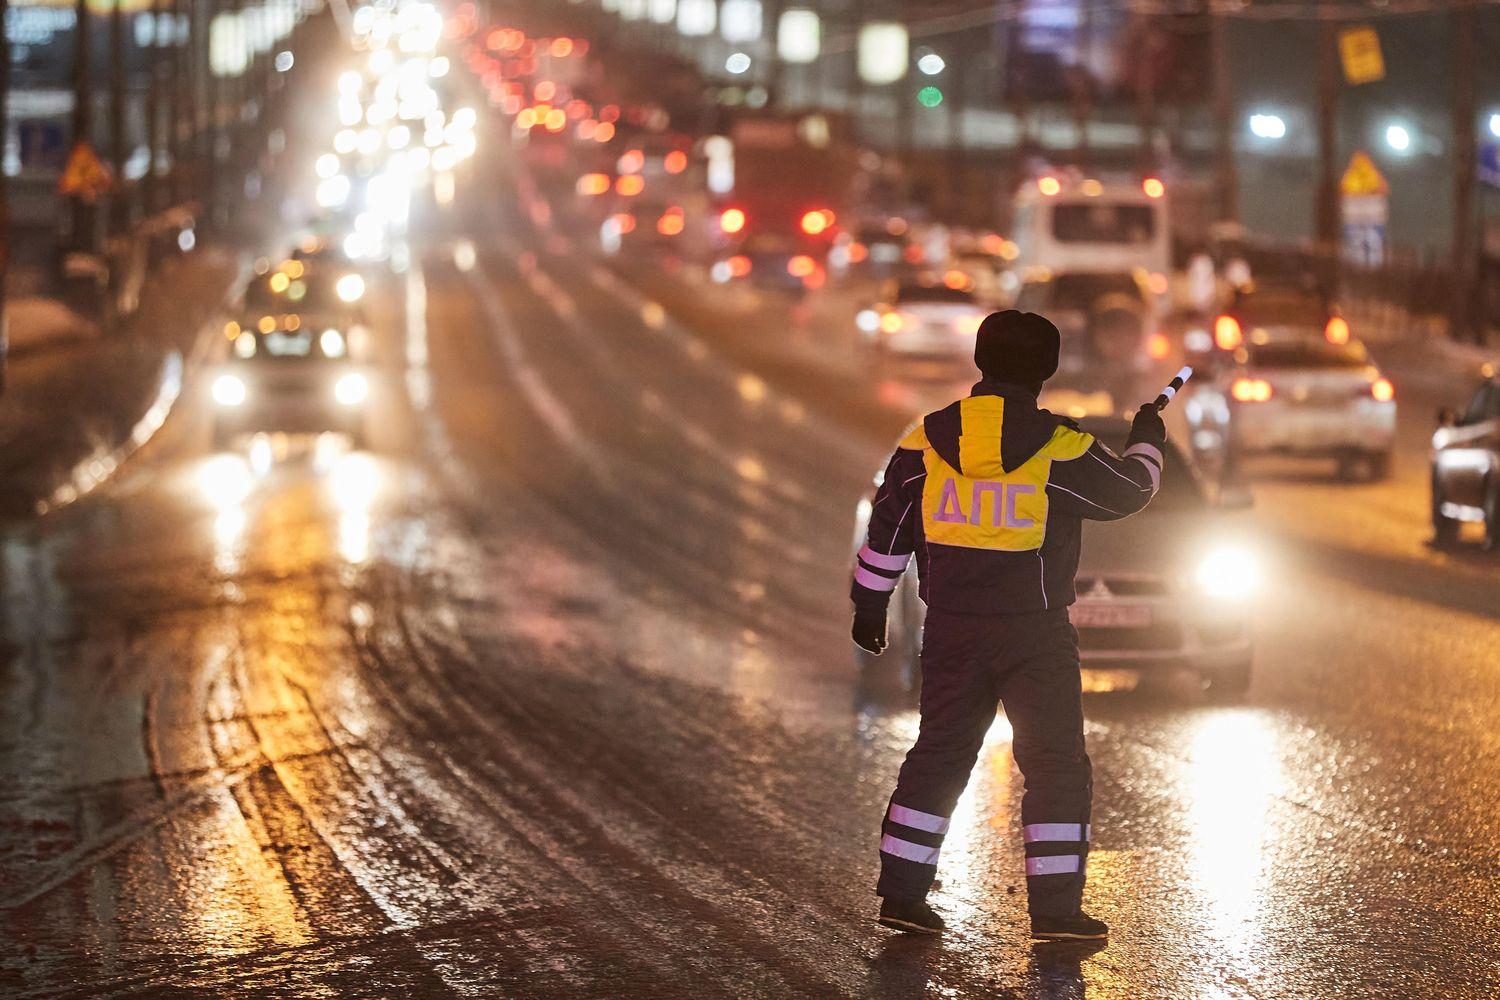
<point>229,390</point>
<point>1229,573</point>
<point>351,389</point>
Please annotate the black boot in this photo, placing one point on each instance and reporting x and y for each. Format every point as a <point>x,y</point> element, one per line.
<point>911,916</point>
<point>1078,927</point>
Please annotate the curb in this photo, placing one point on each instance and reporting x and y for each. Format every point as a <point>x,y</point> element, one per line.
<point>94,470</point>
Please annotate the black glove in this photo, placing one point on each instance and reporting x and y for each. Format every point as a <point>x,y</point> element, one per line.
<point>1147,427</point>
<point>869,630</point>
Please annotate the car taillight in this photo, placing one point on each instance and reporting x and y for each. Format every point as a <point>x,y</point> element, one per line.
<point>1227,335</point>
<point>890,322</point>
<point>1158,346</point>
<point>1250,390</point>
<point>1336,331</point>
<point>858,253</point>
<point>1382,390</point>
<point>739,266</point>
<point>817,221</point>
<point>801,266</point>
<point>731,220</point>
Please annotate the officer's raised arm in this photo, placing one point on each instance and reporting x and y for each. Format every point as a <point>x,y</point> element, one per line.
<point>888,542</point>
<point>1097,484</point>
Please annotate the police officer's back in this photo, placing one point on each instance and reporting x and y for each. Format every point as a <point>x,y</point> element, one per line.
<point>990,494</point>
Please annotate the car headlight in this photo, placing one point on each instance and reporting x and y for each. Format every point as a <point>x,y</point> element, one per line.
<point>350,287</point>
<point>229,390</point>
<point>351,389</point>
<point>1228,573</point>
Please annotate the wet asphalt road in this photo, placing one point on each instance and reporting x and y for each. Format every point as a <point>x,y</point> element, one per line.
<point>549,694</point>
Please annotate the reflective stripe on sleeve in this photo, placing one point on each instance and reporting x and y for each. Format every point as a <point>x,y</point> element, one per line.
<point>918,820</point>
<point>1151,457</point>
<point>880,561</point>
<point>1060,864</point>
<point>919,853</point>
<point>873,581</point>
<point>1069,832</point>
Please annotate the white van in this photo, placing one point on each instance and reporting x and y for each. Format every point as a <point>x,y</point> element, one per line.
<point>1069,223</point>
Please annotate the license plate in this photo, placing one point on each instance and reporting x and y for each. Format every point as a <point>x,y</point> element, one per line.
<point>1111,615</point>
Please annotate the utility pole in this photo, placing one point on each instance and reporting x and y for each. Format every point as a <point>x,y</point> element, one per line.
<point>1461,264</point>
<point>1327,206</point>
<point>81,216</point>
<point>1145,90</point>
<point>1226,177</point>
<point>4,183</point>
<point>1083,84</point>
<point>154,71</point>
<point>118,151</point>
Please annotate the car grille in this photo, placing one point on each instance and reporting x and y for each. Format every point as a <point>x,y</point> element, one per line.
<point>1153,637</point>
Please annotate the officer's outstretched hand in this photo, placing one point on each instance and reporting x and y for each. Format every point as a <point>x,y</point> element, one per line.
<point>869,630</point>
<point>1148,426</point>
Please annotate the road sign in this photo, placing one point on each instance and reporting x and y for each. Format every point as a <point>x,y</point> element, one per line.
<point>1362,177</point>
<point>1359,51</point>
<point>43,143</point>
<point>85,175</point>
<point>1488,170</point>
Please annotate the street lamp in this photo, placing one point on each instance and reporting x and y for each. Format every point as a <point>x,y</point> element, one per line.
<point>1495,125</point>
<point>1398,137</point>
<point>882,52</point>
<point>799,36</point>
<point>737,63</point>
<point>931,63</point>
<point>1267,126</point>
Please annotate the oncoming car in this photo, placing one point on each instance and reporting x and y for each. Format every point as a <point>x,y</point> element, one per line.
<point>299,380</point>
<point>1107,318</point>
<point>920,319</point>
<point>1169,589</point>
<point>1466,467</point>
<point>1291,393</point>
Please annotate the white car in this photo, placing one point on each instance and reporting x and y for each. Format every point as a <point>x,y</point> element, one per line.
<point>922,320</point>
<point>1294,392</point>
<point>1170,588</point>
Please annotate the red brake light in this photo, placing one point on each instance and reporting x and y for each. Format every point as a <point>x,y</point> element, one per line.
<point>800,266</point>
<point>1227,335</point>
<point>1337,330</point>
<point>739,266</point>
<point>1382,390</point>
<point>1250,390</point>
<point>732,220</point>
<point>817,221</point>
<point>675,162</point>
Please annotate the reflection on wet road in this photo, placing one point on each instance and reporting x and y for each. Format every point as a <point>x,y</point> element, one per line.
<point>548,693</point>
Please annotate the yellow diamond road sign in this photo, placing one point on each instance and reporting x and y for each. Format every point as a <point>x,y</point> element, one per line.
<point>1362,176</point>
<point>1359,50</point>
<point>84,174</point>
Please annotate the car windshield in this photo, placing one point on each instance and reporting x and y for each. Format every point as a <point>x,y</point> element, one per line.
<point>1181,487</point>
<point>1281,308</point>
<point>1081,291</point>
<point>1101,222</point>
<point>933,293</point>
<point>1308,354</point>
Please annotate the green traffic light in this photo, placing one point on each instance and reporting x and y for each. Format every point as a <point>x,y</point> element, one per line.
<point>929,97</point>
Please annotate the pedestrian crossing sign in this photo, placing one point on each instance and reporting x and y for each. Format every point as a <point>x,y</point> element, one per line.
<point>85,174</point>
<point>1362,177</point>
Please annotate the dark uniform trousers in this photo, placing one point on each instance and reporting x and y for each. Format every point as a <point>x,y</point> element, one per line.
<point>970,665</point>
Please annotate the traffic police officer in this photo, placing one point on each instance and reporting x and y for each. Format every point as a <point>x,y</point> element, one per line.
<point>990,493</point>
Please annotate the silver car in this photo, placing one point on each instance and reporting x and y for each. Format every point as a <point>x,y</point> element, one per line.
<point>1171,588</point>
<point>1301,393</point>
<point>916,319</point>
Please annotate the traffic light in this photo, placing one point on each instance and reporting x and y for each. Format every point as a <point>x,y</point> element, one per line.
<point>929,97</point>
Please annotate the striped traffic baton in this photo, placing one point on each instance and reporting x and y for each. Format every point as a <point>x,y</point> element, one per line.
<point>1172,387</point>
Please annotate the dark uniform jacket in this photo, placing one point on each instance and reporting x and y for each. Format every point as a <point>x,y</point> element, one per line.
<point>990,494</point>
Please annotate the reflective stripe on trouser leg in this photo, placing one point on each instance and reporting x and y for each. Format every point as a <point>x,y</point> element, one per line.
<point>910,843</point>
<point>1056,864</point>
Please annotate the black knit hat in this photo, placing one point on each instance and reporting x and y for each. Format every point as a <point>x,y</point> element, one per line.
<point>1018,347</point>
